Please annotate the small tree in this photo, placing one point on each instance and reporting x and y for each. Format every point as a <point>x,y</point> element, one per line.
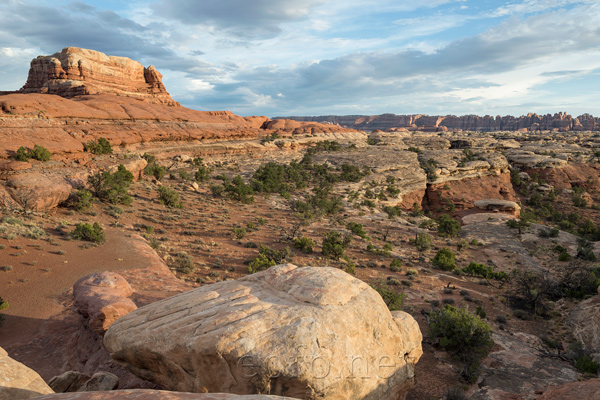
<point>444,259</point>
<point>169,197</point>
<point>423,241</point>
<point>334,244</point>
<point>448,226</point>
<point>101,146</point>
<point>464,335</point>
<point>520,224</point>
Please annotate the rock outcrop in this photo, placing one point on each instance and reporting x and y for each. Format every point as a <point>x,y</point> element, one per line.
<point>561,122</point>
<point>300,332</point>
<point>589,389</point>
<point>19,382</point>
<point>102,299</point>
<point>154,395</point>
<point>76,72</point>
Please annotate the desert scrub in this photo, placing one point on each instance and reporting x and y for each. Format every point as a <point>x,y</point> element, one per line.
<point>393,300</point>
<point>444,259</point>
<point>448,226</point>
<point>82,199</point>
<point>484,271</point>
<point>184,263</point>
<point>88,232</point>
<point>100,146</point>
<point>464,335</point>
<point>112,187</point>
<point>304,244</point>
<point>396,265</point>
<point>357,229</point>
<point>422,241</point>
<point>157,171</point>
<point>268,257</point>
<point>38,152</point>
<point>238,233</point>
<point>334,244</point>
<point>169,197</point>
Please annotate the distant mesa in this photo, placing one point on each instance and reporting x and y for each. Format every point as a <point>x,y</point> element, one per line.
<point>76,72</point>
<point>559,122</point>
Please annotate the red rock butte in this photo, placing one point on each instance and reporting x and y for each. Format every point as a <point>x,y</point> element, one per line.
<point>75,72</point>
<point>78,95</point>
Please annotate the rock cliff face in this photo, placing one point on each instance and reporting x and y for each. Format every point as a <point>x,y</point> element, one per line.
<point>75,72</point>
<point>561,122</point>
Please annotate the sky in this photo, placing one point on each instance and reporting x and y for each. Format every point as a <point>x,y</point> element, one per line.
<point>324,57</point>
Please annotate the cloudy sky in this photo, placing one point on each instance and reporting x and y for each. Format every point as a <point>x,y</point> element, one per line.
<point>317,57</point>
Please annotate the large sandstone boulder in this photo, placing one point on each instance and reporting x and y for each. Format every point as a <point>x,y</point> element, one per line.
<point>102,299</point>
<point>584,323</point>
<point>19,382</point>
<point>37,191</point>
<point>153,395</point>
<point>300,332</point>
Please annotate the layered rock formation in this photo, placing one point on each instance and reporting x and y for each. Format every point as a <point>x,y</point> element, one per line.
<point>300,332</point>
<point>562,122</point>
<point>75,72</point>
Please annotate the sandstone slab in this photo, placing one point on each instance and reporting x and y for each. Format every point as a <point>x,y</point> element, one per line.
<point>300,332</point>
<point>19,382</point>
<point>589,389</point>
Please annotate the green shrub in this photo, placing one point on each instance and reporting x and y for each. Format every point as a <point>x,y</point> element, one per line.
<point>21,154</point>
<point>396,265</point>
<point>238,190</point>
<point>102,146</point>
<point>83,199</point>
<point>587,365</point>
<point>169,197</point>
<point>38,152</point>
<point>238,233</point>
<point>91,233</point>
<point>112,187</point>
<point>423,241</point>
<point>393,300</point>
<point>184,263</point>
<point>484,271</point>
<point>448,226</point>
<point>334,244</point>
<point>579,201</point>
<point>202,174</point>
<point>444,259</point>
<point>305,244</point>
<point>564,256</point>
<point>357,229</point>
<point>157,171</point>
<point>464,335</point>
<point>392,211</point>
<point>268,257</point>
<point>520,224</point>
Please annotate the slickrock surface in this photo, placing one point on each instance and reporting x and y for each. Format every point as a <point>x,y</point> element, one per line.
<point>301,332</point>
<point>19,382</point>
<point>589,389</point>
<point>153,395</point>
<point>75,71</point>
<point>584,323</point>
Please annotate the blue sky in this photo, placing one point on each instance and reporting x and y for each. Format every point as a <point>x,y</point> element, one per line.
<point>317,57</point>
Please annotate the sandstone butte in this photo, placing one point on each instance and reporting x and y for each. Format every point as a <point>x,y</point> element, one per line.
<point>77,95</point>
